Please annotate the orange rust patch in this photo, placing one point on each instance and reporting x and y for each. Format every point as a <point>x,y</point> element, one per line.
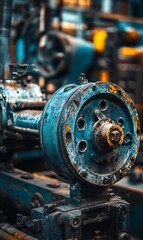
<point>48,178</point>
<point>127,99</point>
<point>109,132</point>
<point>75,166</point>
<point>114,89</point>
<point>123,171</point>
<point>67,128</point>
<point>86,90</point>
<point>137,125</point>
<point>68,134</point>
<point>10,84</point>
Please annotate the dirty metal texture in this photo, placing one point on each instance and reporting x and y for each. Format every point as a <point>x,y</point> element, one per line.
<point>13,91</point>
<point>21,107</point>
<point>27,118</point>
<point>90,133</point>
<point>15,232</point>
<point>24,191</point>
<point>132,191</point>
<point>6,236</point>
<point>107,219</point>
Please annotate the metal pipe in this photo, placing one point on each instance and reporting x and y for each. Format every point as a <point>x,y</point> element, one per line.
<point>5,27</point>
<point>26,122</point>
<point>15,233</point>
<point>27,119</point>
<point>6,236</point>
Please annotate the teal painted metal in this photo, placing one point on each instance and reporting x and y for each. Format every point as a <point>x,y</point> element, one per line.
<point>73,137</point>
<point>89,132</point>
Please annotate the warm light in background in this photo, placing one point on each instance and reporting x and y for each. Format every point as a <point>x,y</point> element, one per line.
<point>81,3</point>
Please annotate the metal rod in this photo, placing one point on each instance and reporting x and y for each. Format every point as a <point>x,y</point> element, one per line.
<point>15,232</point>
<point>6,236</point>
<point>24,130</point>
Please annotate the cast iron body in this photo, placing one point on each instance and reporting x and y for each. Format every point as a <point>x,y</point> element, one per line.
<point>89,134</point>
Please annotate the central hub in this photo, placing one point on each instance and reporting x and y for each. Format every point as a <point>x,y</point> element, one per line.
<point>115,136</point>
<point>108,135</point>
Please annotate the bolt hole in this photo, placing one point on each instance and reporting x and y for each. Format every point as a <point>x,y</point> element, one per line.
<point>94,88</point>
<point>68,136</point>
<point>119,92</point>
<point>69,88</point>
<point>76,102</point>
<point>121,122</point>
<point>103,105</point>
<point>82,146</point>
<point>81,123</point>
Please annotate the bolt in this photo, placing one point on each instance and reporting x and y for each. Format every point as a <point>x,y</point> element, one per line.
<point>115,136</point>
<point>82,79</point>
<point>50,207</point>
<point>76,222</point>
<point>37,200</point>
<point>98,114</point>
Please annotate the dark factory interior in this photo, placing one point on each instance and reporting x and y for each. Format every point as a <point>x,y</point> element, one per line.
<point>71,119</point>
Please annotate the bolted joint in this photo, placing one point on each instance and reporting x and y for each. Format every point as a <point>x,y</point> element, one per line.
<point>82,79</point>
<point>115,136</point>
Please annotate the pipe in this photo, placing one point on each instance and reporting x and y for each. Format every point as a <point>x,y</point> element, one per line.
<point>15,233</point>
<point>6,236</point>
<point>5,27</point>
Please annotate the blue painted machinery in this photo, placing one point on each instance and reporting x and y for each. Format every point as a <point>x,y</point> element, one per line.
<point>89,134</point>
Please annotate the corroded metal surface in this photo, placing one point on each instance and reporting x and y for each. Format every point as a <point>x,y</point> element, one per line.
<point>15,232</point>
<point>90,132</point>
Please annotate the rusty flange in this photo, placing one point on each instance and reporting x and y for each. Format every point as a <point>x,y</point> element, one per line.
<point>90,133</point>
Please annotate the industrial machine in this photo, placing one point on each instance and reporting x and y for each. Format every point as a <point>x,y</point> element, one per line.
<point>89,134</point>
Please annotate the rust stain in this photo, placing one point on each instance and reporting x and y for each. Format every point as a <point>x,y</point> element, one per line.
<point>45,177</point>
<point>11,84</point>
<point>127,99</point>
<point>68,134</point>
<point>67,128</point>
<point>75,166</point>
<point>123,171</point>
<point>137,125</point>
<point>114,89</point>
